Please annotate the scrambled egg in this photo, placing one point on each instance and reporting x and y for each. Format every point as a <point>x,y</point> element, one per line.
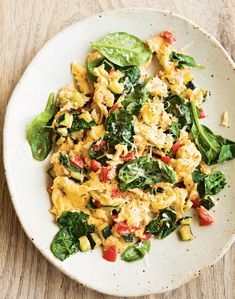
<point>86,105</point>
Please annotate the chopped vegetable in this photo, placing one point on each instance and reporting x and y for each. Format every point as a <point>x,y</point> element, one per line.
<point>110,254</point>
<point>184,60</point>
<point>136,252</point>
<point>186,233</point>
<point>204,216</point>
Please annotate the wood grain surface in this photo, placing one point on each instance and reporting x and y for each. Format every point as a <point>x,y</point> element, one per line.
<point>25,25</point>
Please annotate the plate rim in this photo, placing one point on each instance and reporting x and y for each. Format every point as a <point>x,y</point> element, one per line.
<point>10,182</point>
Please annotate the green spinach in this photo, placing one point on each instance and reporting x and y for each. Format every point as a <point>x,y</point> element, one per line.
<point>90,68</point>
<point>214,148</point>
<point>136,99</point>
<point>123,49</point>
<point>131,77</point>
<point>165,223</point>
<point>184,60</point>
<point>143,172</point>
<point>73,225</point>
<point>120,129</point>
<point>63,158</point>
<point>136,252</point>
<point>79,124</point>
<point>39,133</point>
<point>175,130</point>
<point>209,184</point>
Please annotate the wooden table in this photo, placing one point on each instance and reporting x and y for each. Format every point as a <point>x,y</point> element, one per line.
<point>25,25</point>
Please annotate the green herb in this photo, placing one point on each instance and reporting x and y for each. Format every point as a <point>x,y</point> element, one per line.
<point>214,148</point>
<point>165,223</point>
<point>123,49</point>
<point>39,133</point>
<point>90,68</point>
<point>136,252</point>
<point>143,172</point>
<point>79,124</point>
<point>209,184</point>
<point>120,129</point>
<point>72,226</point>
<point>175,130</point>
<point>184,60</point>
<point>132,75</point>
<point>135,100</point>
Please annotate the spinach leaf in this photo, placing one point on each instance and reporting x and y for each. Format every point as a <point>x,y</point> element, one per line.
<point>72,226</point>
<point>132,75</point>
<point>209,184</point>
<point>177,106</point>
<point>64,244</point>
<point>207,203</point>
<point>90,68</point>
<point>76,223</point>
<point>175,130</point>
<point>136,252</point>
<point>143,172</point>
<point>120,129</point>
<point>214,148</point>
<point>135,100</point>
<point>123,49</point>
<point>184,60</point>
<point>39,133</point>
<point>65,161</point>
<point>79,124</point>
<point>164,224</point>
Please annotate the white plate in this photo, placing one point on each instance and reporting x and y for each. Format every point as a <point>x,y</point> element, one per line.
<point>170,262</point>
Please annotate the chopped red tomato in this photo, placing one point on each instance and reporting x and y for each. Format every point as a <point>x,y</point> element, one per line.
<point>114,107</point>
<point>116,193</point>
<point>77,161</point>
<point>49,189</point>
<point>110,254</point>
<point>204,216</point>
<point>195,201</point>
<point>104,174</point>
<point>95,165</point>
<point>99,146</point>
<point>129,156</point>
<point>202,114</point>
<point>122,228</point>
<point>169,37</point>
<point>111,71</point>
<point>165,159</point>
<point>98,204</point>
<point>146,237</point>
<point>176,145</point>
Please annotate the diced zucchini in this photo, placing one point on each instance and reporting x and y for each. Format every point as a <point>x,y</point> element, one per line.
<point>186,233</point>
<point>207,203</point>
<point>94,240</point>
<point>104,231</point>
<point>186,220</point>
<point>84,243</point>
<point>67,121</point>
<point>128,238</point>
<point>78,176</point>
<point>51,172</point>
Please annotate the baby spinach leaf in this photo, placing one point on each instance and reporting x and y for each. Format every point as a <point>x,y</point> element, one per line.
<point>131,77</point>
<point>175,130</point>
<point>184,60</point>
<point>120,129</point>
<point>178,107</point>
<point>136,252</point>
<point>135,100</point>
<point>79,124</point>
<point>64,244</point>
<point>122,49</point>
<point>143,172</point>
<point>209,184</point>
<point>73,225</point>
<point>165,223</point>
<point>207,203</point>
<point>90,68</point>
<point>214,148</point>
<point>39,133</point>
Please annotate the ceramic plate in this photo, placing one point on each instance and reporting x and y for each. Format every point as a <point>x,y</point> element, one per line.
<point>170,262</point>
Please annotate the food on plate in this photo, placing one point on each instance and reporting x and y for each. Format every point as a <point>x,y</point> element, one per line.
<point>130,156</point>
